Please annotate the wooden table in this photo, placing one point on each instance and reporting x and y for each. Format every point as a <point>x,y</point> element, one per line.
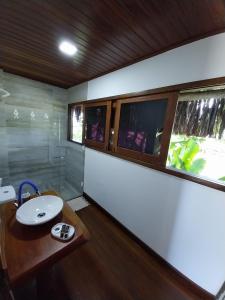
<point>27,250</point>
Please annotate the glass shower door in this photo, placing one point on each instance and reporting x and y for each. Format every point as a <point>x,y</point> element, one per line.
<point>33,143</point>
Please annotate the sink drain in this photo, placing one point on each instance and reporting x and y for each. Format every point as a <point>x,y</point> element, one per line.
<point>40,215</point>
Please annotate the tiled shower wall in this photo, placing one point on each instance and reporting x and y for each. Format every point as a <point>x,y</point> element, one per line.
<point>33,122</point>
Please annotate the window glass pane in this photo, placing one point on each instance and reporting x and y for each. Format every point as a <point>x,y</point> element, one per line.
<point>197,143</point>
<point>76,124</point>
<point>141,126</point>
<point>95,123</point>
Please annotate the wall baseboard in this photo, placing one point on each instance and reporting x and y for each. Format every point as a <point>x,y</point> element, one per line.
<point>180,278</point>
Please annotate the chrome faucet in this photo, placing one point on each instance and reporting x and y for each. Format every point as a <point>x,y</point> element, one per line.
<point>29,182</point>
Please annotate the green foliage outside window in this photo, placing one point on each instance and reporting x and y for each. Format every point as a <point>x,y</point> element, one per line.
<point>182,154</point>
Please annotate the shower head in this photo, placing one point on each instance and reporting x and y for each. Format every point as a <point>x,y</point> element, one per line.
<point>4,93</point>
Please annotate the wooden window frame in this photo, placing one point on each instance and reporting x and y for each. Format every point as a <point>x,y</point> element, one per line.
<point>69,124</point>
<point>95,144</point>
<point>168,124</point>
<point>167,89</point>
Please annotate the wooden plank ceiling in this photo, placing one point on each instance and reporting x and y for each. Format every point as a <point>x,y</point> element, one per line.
<point>109,34</point>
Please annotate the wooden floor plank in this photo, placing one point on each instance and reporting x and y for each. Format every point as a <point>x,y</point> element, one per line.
<point>112,266</point>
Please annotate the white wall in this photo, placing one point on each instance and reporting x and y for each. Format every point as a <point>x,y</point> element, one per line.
<point>78,93</point>
<point>196,61</point>
<point>182,221</point>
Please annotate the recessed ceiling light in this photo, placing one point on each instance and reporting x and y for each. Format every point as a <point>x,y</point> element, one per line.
<point>68,48</point>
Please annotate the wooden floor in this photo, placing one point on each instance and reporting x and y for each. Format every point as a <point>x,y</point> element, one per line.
<point>111,266</point>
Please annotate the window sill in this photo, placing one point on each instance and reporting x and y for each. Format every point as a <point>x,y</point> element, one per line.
<point>81,144</point>
<point>167,170</point>
<point>196,178</point>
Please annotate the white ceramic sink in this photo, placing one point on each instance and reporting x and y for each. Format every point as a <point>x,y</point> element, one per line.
<point>39,210</point>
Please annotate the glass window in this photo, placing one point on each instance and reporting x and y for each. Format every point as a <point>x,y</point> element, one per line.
<point>95,123</point>
<point>197,143</point>
<point>141,126</point>
<point>76,124</point>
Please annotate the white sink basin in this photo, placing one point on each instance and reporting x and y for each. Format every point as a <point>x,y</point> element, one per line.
<point>39,210</point>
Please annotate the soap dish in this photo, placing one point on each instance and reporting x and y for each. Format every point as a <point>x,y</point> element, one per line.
<point>63,231</point>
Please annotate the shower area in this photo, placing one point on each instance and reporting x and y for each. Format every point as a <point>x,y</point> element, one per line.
<point>33,138</point>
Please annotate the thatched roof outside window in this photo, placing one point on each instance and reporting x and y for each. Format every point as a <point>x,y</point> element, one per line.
<point>201,114</point>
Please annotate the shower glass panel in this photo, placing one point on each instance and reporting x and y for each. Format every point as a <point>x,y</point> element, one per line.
<point>33,121</point>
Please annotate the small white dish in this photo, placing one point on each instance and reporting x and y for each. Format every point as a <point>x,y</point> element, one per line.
<point>39,210</point>
<point>63,232</point>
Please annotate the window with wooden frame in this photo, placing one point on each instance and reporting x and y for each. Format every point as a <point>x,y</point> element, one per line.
<point>75,123</point>
<point>143,127</point>
<point>97,123</point>
<point>197,145</point>
<point>140,128</point>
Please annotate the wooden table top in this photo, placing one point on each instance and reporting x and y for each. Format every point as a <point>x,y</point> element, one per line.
<point>26,250</point>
